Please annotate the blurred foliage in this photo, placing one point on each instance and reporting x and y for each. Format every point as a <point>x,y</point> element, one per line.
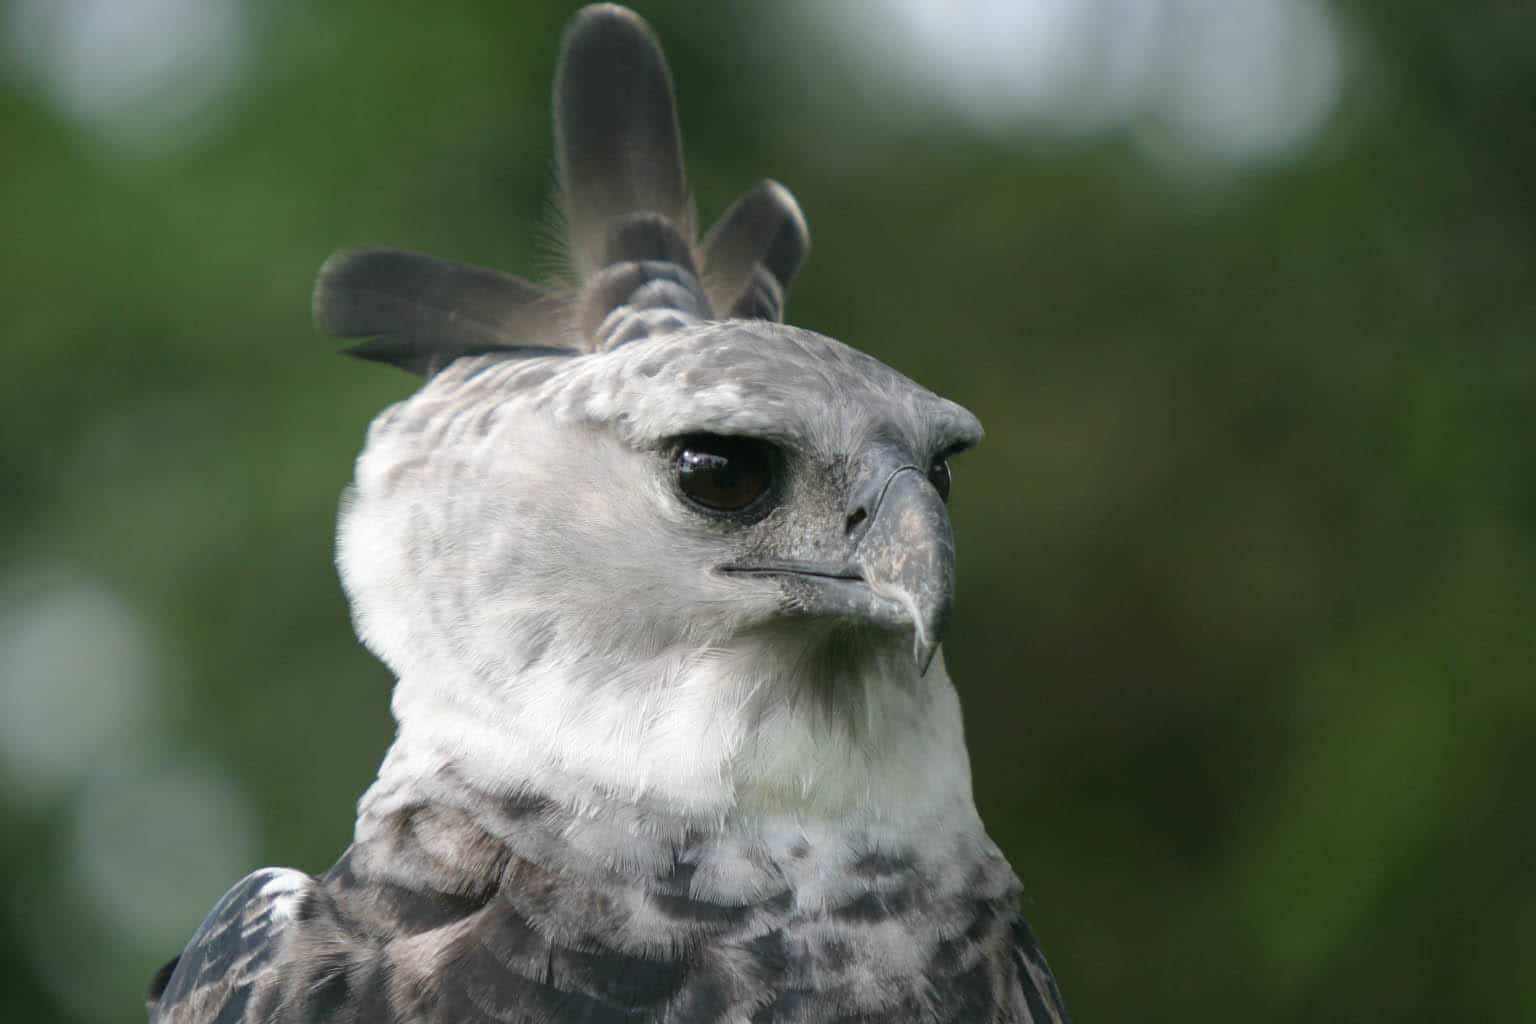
<point>1248,559</point>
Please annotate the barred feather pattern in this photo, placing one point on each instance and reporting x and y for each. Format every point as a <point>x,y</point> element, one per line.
<point>457,905</point>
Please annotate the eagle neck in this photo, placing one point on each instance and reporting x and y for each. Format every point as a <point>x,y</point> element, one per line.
<point>698,739</point>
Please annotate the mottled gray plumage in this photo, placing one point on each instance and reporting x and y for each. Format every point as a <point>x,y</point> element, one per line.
<point>454,905</point>
<point>657,760</point>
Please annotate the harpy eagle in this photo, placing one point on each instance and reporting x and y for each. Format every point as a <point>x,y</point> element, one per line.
<point>663,582</point>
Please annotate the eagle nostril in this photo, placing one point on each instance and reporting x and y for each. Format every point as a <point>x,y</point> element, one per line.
<point>863,502</point>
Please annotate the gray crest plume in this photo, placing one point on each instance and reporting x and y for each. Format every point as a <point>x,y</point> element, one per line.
<point>663,582</point>
<point>630,235</point>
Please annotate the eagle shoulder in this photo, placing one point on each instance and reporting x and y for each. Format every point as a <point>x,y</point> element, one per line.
<point>221,969</point>
<point>1036,985</point>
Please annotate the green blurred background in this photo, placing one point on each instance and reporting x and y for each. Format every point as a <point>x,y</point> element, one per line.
<point>1242,289</point>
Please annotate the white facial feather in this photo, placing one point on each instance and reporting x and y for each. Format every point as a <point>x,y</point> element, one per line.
<point>514,551</point>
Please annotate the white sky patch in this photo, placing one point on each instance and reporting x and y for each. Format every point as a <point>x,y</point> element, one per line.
<point>143,76</point>
<point>78,677</point>
<point>1198,81</point>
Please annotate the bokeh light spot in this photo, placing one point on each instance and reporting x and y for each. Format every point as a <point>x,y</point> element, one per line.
<point>151,844</point>
<point>1197,82</point>
<point>77,676</point>
<point>1254,80</point>
<point>156,842</point>
<point>143,76</point>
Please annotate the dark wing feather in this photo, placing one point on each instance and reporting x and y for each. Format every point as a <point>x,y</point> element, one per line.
<point>1037,985</point>
<point>216,975</point>
<point>421,313</point>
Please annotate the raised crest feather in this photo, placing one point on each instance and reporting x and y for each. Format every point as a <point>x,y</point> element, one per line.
<point>420,313</point>
<point>752,254</point>
<point>630,235</point>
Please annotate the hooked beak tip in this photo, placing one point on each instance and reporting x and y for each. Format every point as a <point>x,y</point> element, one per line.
<point>923,652</point>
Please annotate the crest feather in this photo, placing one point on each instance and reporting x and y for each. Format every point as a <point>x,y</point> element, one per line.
<point>630,234</point>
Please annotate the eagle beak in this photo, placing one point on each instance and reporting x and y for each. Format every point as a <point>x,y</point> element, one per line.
<point>907,557</point>
<point>899,574</point>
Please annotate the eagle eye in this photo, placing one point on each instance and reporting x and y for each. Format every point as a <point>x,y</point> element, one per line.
<point>724,474</point>
<point>938,475</point>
